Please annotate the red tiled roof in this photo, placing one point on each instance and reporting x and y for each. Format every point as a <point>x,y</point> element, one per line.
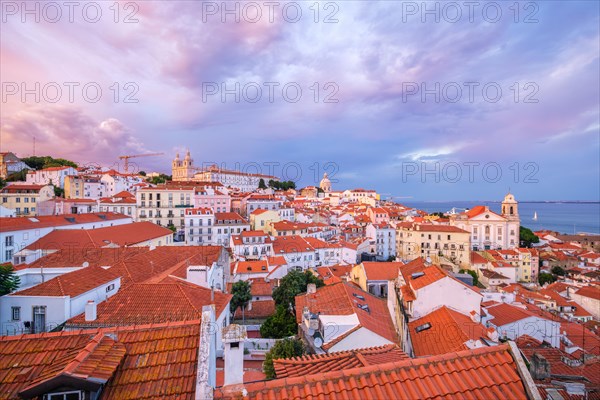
<point>14,188</point>
<point>593,292</point>
<point>431,274</point>
<point>90,358</point>
<point>448,332</point>
<point>159,361</point>
<point>314,364</point>
<point>260,309</point>
<point>507,314</point>
<point>477,258</point>
<point>340,299</point>
<point>250,267</point>
<point>23,223</point>
<point>121,235</point>
<point>260,287</point>
<point>381,271</point>
<point>144,303</point>
<point>229,216</point>
<point>71,284</point>
<point>439,228</point>
<point>485,373</point>
<point>591,370</point>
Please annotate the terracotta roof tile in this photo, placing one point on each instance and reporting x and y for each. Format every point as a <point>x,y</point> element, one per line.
<point>381,271</point>
<point>144,303</point>
<point>593,292</point>
<point>448,332</point>
<point>313,364</point>
<point>121,235</point>
<point>23,223</point>
<point>341,299</point>
<point>503,314</point>
<point>71,284</point>
<point>136,361</point>
<point>486,373</point>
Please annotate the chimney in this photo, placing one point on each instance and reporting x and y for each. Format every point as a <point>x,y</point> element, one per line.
<point>540,367</point>
<point>311,288</point>
<point>475,317</point>
<point>233,339</point>
<point>492,334</point>
<point>90,310</point>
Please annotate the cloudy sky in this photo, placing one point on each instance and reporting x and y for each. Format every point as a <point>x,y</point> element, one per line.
<point>452,102</point>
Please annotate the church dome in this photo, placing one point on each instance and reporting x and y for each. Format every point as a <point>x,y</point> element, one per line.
<point>325,183</point>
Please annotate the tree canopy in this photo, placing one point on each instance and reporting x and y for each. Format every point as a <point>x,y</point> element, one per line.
<point>279,325</point>
<point>9,281</point>
<point>527,237</point>
<point>285,348</point>
<point>41,162</point>
<point>544,278</point>
<point>261,184</point>
<point>284,185</point>
<point>161,178</point>
<point>241,295</point>
<point>291,285</point>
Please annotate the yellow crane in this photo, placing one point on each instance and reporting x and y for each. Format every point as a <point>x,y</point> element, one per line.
<point>127,157</point>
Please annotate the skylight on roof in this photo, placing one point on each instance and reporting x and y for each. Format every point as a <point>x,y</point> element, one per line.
<point>34,220</point>
<point>358,296</point>
<point>423,327</point>
<point>417,275</point>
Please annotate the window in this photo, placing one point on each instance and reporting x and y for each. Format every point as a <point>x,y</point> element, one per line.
<point>9,241</point>
<point>70,395</point>
<point>8,254</point>
<point>110,287</point>
<point>16,313</point>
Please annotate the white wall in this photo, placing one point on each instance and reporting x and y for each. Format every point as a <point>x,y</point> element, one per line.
<point>538,328</point>
<point>57,311</point>
<point>359,339</point>
<point>445,292</point>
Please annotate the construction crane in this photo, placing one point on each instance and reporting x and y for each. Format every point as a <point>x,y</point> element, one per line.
<point>127,157</point>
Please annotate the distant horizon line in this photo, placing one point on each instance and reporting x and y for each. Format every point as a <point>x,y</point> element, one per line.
<point>499,201</point>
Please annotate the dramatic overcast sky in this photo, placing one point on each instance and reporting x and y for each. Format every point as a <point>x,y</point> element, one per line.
<point>373,59</point>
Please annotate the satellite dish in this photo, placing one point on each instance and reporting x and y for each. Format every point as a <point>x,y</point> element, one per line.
<point>86,264</point>
<point>311,331</point>
<point>318,342</point>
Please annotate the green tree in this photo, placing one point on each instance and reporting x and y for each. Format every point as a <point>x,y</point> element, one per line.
<point>560,271</point>
<point>291,285</point>
<point>17,176</point>
<point>58,192</point>
<point>279,325</point>
<point>472,273</point>
<point>285,348</point>
<point>142,173</point>
<point>261,184</point>
<point>544,278</point>
<point>41,162</point>
<point>172,228</point>
<point>9,281</point>
<point>161,178</point>
<point>2,183</point>
<point>527,237</point>
<point>241,295</point>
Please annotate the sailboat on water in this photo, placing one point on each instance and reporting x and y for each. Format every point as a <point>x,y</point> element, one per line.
<point>535,217</point>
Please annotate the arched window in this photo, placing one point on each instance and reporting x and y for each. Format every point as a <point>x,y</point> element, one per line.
<point>487,229</point>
